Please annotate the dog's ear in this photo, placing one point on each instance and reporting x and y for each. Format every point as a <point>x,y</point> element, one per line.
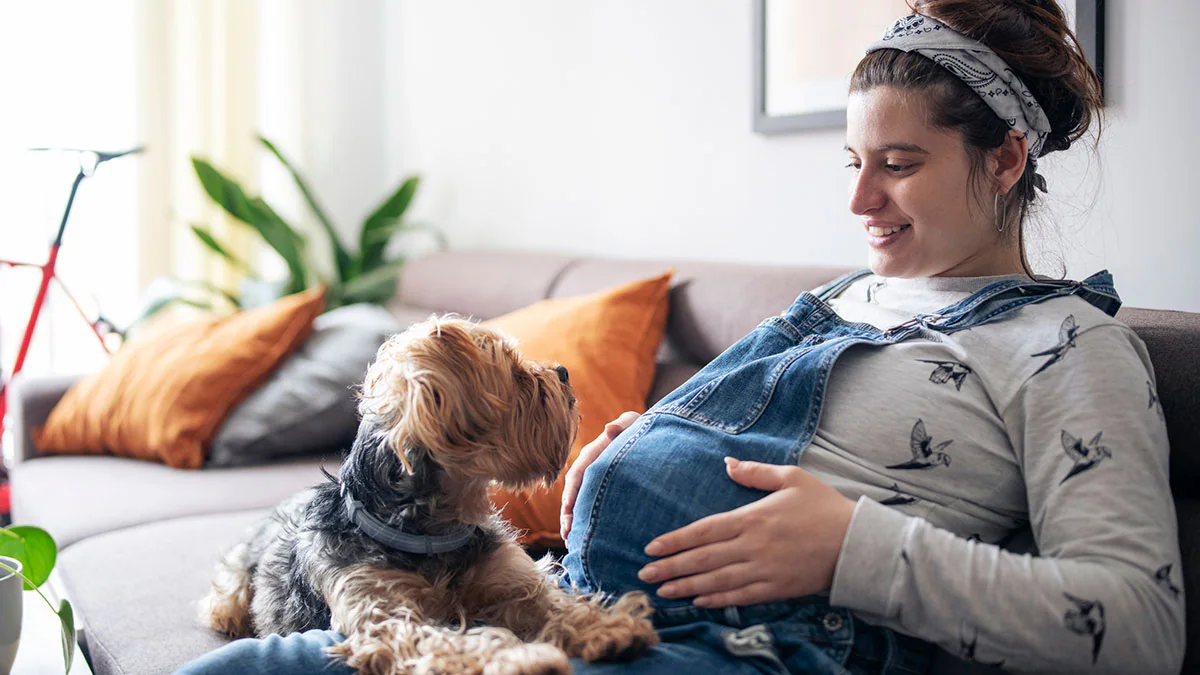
<point>430,388</point>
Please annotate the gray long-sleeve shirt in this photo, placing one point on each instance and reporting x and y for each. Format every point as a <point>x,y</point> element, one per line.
<point>951,443</point>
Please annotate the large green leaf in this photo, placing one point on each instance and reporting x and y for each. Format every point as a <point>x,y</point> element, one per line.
<point>341,257</point>
<point>377,285</point>
<point>67,617</point>
<point>225,191</point>
<point>253,211</point>
<point>203,234</point>
<point>372,246</point>
<point>286,241</point>
<point>34,548</point>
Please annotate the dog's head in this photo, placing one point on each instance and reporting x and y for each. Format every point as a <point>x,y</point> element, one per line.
<point>464,394</point>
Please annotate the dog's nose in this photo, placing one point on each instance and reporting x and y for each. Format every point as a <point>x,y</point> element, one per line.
<point>562,374</point>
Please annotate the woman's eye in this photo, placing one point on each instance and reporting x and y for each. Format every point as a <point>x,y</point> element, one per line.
<point>897,168</point>
<point>853,165</point>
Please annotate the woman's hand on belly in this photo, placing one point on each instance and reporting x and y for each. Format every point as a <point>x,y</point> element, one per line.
<point>587,456</point>
<point>784,545</point>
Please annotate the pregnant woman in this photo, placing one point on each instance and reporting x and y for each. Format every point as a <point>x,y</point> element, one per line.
<point>838,491</point>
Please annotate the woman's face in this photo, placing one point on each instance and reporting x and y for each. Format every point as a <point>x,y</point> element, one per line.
<point>912,180</point>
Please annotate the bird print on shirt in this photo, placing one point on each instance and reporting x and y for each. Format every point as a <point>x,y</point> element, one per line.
<point>1085,455</point>
<point>1154,401</point>
<point>947,371</point>
<point>1068,333</point>
<point>1086,618</point>
<point>925,455</point>
<point>899,499</point>
<point>966,650</point>
<point>872,288</point>
<point>1162,577</point>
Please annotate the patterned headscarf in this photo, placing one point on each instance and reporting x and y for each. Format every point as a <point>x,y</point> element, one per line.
<point>981,69</point>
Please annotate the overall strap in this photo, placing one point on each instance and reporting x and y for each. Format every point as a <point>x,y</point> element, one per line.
<point>1006,296</point>
<point>835,287</point>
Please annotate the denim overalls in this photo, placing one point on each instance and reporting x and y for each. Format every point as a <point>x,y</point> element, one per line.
<point>760,400</point>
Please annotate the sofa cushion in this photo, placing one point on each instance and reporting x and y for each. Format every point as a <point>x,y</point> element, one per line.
<point>308,404</point>
<point>163,395</point>
<point>76,497</point>
<point>607,341</point>
<point>137,590</point>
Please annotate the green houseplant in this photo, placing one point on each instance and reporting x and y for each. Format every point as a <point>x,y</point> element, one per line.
<point>37,552</point>
<point>362,275</point>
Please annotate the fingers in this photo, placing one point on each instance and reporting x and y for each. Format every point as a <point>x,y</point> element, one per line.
<point>722,580</point>
<point>587,456</point>
<point>694,561</point>
<point>750,594</point>
<point>769,477</point>
<point>710,530</point>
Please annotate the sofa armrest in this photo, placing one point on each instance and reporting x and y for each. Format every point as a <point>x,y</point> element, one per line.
<point>30,400</point>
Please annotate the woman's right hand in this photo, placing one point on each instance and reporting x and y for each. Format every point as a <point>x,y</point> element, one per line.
<point>590,452</point>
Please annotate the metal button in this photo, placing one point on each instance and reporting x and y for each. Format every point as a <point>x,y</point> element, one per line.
<point>833,622</point>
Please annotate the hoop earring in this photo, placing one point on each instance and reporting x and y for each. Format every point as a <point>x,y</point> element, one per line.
<point>1002,221</point>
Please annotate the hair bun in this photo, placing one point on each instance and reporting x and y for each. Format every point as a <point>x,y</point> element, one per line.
<point>1034,39</point>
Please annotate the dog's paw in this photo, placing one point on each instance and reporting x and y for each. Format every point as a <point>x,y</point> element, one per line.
<point>537,658</point>
<point>624,633</point>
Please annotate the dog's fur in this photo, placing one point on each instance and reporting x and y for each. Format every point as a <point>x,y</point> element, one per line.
<point>447,408</point>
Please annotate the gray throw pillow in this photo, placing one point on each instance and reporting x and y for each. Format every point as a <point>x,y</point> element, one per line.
<point>307,406</point>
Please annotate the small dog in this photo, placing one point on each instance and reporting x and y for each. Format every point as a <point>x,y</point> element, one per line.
<point>404,545</point>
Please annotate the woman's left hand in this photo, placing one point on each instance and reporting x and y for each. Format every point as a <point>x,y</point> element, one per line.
<point>784,545</point>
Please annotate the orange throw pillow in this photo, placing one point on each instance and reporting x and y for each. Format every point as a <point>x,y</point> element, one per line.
<point>163,396</point>
<point>607,341</point>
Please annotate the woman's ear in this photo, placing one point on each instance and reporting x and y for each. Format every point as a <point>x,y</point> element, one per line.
<point>1010,159</point>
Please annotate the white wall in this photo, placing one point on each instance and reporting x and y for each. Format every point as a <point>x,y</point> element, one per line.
<point>623,128</point>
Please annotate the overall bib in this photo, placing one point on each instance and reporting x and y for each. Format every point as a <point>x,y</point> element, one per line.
<point>760,401</point>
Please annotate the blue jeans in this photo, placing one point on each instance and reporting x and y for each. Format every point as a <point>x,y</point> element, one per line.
<point>786,637</point>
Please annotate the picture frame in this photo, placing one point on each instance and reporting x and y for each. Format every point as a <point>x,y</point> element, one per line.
<point>804,51</point>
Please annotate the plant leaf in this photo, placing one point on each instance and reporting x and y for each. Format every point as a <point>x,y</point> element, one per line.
<point>225,191</point>
<point>377,285</point>
<point>286,241</point>
<point>222,250</point>
<point>341,257</point>
<point>372,248</point>
<point>253,211</point>
<point>67,617</point>
<point>34,548</point>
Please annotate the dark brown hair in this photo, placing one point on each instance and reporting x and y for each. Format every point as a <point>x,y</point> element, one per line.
<point>1033,38</point>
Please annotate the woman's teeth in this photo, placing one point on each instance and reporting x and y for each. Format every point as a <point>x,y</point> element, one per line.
<point>885,231</point>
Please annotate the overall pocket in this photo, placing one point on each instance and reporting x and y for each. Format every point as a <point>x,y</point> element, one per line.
<point>732,392</point>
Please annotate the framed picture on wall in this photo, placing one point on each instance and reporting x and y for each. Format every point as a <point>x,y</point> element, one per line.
<point>805,50</point>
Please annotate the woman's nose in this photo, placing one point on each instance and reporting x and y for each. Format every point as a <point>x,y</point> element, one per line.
<point>865,194</point>
<point>562,374</point>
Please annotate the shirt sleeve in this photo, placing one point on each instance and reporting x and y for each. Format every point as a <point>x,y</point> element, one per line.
<point>1105,594</point>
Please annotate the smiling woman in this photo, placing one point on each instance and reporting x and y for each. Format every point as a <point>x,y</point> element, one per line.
<point>831,493</point>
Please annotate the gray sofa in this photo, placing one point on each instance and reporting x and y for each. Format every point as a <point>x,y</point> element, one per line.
<point>139,540</point>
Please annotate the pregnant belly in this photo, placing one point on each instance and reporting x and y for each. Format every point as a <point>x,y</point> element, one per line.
<point>661,474</point>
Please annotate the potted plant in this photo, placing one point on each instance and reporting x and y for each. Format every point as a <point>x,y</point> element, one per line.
<point>362,274</point>
<point>34,551</point>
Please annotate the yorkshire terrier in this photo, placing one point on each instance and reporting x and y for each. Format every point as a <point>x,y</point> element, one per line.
<point>402,553</point>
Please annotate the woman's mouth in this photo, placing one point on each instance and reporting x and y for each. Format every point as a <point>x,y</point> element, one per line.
<point>879,237</point>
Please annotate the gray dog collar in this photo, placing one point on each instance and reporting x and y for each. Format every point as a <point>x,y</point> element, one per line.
<point>400,540</point>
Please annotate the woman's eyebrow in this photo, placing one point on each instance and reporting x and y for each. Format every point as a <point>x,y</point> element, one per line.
<point>901,147</point>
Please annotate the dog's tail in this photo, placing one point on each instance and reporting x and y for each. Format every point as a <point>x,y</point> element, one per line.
<point>227,605</point>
